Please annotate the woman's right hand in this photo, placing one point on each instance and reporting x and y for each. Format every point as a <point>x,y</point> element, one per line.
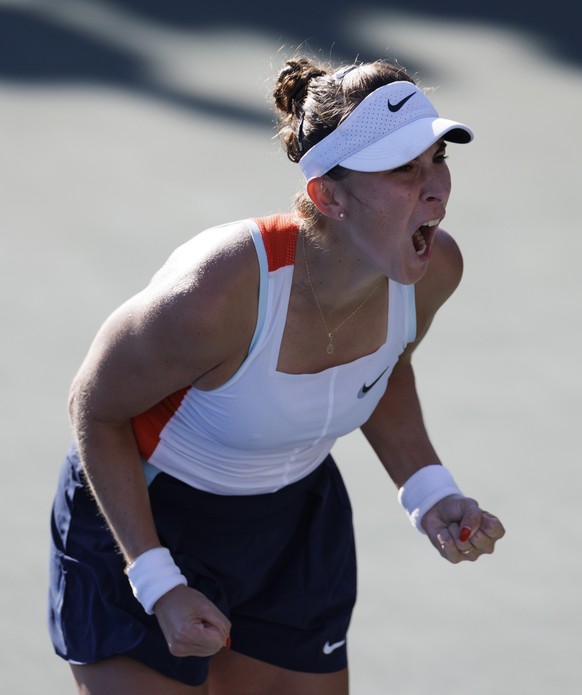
<point>192,625</point>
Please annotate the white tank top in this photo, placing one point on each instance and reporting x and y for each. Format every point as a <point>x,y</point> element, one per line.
<point>265,429</point>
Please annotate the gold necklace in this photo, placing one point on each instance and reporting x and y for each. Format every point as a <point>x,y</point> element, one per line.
<point>333,331</point>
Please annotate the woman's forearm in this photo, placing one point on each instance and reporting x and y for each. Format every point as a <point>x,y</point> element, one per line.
<point>113,469</point>
<point>396,430</point>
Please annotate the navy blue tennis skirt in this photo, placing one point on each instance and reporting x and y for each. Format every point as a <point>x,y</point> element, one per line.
<point>281,566</point>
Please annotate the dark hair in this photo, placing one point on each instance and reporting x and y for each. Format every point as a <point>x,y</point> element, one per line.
<point>313,99</point>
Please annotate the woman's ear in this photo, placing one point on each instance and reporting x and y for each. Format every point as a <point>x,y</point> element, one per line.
<point>323,193</point>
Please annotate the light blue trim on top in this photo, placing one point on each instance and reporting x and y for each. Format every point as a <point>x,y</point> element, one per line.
<point>263,281</point>
<point>411,313</point>
<point>150,472</point>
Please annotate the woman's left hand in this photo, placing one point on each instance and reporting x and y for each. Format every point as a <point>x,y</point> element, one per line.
<point>460,530</point>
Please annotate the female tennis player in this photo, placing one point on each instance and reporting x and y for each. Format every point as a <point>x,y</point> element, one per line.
<point>202,535</point>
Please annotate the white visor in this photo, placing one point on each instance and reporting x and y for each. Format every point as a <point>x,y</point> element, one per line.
<point>392,126</point>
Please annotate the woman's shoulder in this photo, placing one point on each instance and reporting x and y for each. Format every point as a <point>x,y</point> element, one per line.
<point>216,253</point>
<point>208,286</point>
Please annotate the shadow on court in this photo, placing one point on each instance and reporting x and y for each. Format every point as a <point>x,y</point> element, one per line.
<point>39,44</point>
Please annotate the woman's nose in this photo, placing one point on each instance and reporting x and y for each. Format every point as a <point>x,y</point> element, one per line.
<point>437,183</point>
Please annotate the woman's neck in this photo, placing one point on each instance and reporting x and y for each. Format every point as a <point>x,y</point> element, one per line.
<point>332,266</point>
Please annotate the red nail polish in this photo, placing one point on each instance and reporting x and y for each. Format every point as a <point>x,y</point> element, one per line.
<point>228,642</point>
<point>465,534</point>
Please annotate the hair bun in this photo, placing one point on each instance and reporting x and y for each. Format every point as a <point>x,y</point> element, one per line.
<point>291,87</point>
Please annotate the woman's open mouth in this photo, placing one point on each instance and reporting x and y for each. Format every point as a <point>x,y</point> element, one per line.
<point>422,237</point>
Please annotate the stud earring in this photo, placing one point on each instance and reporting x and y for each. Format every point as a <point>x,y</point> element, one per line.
<point>342,215</point>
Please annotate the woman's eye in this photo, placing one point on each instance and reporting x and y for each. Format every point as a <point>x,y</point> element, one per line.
<point>440,155</point>
<point>403,168</point>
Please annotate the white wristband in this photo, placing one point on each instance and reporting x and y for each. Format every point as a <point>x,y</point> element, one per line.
<point>424,489</point>
<point>151,575</point>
